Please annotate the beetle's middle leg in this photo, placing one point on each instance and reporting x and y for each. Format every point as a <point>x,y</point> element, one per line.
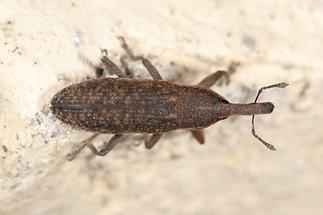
<point>79,147</point>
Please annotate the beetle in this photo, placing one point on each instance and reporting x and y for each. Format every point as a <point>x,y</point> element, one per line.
<point>124,105</point>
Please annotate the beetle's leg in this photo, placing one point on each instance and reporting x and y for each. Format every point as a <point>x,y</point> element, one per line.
<point>151,69</point>
<point>97,68</point>
<point>210,80</point>
<point>79,147</point>
<point>128,50</point>
<point>152,141</point>
<point>198,134</point>
<point>107,146</point>
<point>112,67</point>
<point>129,54</point>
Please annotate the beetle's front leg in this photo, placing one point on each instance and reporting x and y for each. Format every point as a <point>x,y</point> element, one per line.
<point>210,80</point>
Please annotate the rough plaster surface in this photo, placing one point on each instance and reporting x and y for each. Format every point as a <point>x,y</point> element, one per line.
<point>43,47</point>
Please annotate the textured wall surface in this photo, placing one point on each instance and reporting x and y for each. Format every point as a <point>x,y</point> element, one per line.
<point>47,45</point>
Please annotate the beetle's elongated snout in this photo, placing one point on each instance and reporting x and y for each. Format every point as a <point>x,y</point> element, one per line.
<point>246,109</point>
<point>268,107</point>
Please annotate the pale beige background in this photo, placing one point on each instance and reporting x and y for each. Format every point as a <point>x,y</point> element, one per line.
<point>41,44</point>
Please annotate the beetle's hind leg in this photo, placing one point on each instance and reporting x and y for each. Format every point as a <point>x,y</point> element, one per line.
<point>79,147</point>
<point>149,66</point>
<point>105,149</point>
<point>107,146</point>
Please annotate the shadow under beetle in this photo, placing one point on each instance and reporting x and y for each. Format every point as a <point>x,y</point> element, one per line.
<point>123,105</point>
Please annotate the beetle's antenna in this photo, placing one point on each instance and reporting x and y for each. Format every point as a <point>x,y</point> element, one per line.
<point>268,145</point>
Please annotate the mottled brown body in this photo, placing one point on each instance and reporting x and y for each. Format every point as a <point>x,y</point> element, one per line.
<point>121,105</point>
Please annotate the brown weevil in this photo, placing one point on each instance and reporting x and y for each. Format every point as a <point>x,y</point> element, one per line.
<point>124,105</point>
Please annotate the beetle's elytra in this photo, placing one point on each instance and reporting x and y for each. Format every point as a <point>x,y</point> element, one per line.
<point>123,105</point>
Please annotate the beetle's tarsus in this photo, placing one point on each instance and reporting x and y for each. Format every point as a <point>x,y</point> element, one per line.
<point>72,155</point>
<point>79,147</point>
<point>128,50</point>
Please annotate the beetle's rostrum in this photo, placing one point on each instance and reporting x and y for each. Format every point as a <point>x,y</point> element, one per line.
<point>123,105</point>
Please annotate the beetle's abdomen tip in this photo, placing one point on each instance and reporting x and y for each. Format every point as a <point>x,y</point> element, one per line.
<point>54,104</point>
